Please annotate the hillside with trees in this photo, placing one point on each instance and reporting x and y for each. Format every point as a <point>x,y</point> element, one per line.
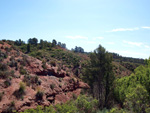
<point>46,77</point>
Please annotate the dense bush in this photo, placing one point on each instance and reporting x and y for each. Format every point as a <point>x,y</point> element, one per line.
<point>53,63</point>
<point>83,104</point>
<point>39,95</point>
<point>86,104</point>
<point>22,71</point>
<point>22,88</point>
<point>3,67</point>
<point>7,83</point>
<point>21,91</point>
<point>133,91</point>
<point>52,86</point>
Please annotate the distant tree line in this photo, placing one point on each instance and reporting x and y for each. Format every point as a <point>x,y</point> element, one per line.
<point>78,49</point>
<point>119,58</point>
<point>41,45</point>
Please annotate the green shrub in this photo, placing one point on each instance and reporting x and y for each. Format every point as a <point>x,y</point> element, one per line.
<point>74,96</point>
<point>1,42</point>
<point>66,108</point>
<point>21,91</point>
<point>27,80</point>
<point>13,63</point>
<point>58,69</point>
<point>60,79</point>
<point>3,67</point>
<point>39,95</point>
<point>11,108</point>
<point>86,104</point>
<point>4,74</point>
<point>117,110</point>
<point>137,100</point>
<point>23,71</point>
<point>44,65</point>
<point>22,88</point>
<point>1,96</point>
<point>52,86</point>
<point>7,83</point>
<point>53,63</point>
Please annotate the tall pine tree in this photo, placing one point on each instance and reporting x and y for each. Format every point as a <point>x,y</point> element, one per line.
<point>99,75</point>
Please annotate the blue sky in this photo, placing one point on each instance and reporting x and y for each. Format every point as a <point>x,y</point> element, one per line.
<point>121,26</point>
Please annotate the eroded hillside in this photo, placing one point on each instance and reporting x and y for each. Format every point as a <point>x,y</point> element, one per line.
<point>26,82</point>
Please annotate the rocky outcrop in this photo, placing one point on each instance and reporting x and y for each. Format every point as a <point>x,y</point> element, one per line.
<point>56,86</point>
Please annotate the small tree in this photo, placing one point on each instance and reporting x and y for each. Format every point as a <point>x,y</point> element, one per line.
<point>28,48</point>
<point>54,43</point>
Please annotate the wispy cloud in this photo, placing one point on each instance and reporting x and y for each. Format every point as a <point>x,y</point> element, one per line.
<point>124,29</point>
<point>146,46</point>
<point>129,29</point>
<point>145,27</point>
<point>111,43</point>
<point>133,43</point>
<point>76,37</point>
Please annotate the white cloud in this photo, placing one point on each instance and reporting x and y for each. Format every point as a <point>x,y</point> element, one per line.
<point>100,38</point>
<point>145,27</point>
<point>133,43</point>
<point>76,37</point>
<point>146,46</point>
<point>124,29</point>
<point>129,29</point>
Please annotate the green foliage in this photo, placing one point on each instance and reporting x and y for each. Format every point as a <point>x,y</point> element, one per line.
<point>4,73</point>
<point>28,79</point>
<point>54,43</point>
<point>86,104</point>
<point>66,108</point>
<point>21,91</point>
<point>39,95</point>
<point>23,71</point>
<point>11,108</point>
<point>1,96</point>
<point>137,100</point>
<point>52,86</point>
<point>7,83</point>
<point>3,67</point>
<point>39,109</point>
<point>22,88</point>
<point>103,111</point>
<point>74,96</point>
<point>33,41</point>
<point>117,110</point>
<point>44,64</point>
<point>99,75</point>
<point>133,91</point>
<point>19,42</point>
<point>28,48</point>
<point>3,55</point>
<point>83,104</point>
<point>119,58</point>
<point>53,63</point>
<point>13,63</point>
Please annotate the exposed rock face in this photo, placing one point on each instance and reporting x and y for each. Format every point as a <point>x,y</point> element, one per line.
<point>57,87</point>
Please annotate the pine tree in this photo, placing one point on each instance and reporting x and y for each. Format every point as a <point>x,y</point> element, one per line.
<point>100,75</point>
<point>28,48</point>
